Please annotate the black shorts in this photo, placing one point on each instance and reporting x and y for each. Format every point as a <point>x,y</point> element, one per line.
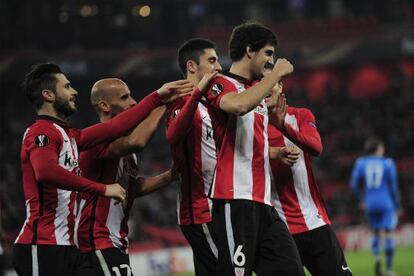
<point>321,253</point>
<point>110,261</point>
<point>252,237</point>
<point>201,238</point>
<point>45,260</point>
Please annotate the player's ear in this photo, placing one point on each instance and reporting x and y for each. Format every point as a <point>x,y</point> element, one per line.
<point>191,66</point>
<point>48,95</point>
<point>104,106</point>
<point>249,51</point>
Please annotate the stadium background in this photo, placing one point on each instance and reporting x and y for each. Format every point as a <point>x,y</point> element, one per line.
<point>354,68</point>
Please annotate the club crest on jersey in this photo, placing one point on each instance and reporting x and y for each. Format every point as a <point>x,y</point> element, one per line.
<point>312,124</point>
<point>216,89</point>
<point>41,140</point>
<point>261,109</point>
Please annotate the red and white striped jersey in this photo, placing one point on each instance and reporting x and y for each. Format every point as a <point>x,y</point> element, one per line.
<point>102,222</point>
<point>298,200</point>
<point>243,170</point>
<point>49,157</point>
<point>195,156</point>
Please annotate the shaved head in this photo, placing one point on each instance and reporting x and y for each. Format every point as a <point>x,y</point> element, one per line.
<point>103,89</point>
<point>110,97</point>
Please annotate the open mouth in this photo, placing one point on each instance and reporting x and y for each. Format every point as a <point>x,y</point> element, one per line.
<point>269,66</point>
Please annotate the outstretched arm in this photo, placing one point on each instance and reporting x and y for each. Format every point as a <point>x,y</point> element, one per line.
<point>139,137</point>
<point>125,121</point>
<point>146,185</point>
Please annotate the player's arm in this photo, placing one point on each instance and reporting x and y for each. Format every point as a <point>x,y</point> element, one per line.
<point>355,179</point>
<point>306,137</point>
<point>394,184</point>
<point>125,121</point>
<point>241,103</point>
<point>179,126</point>
<point>146,185</point>
<point>139,137</point>
<point>46,169</point>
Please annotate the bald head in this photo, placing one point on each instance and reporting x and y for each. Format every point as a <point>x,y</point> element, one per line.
<point>105,88</point>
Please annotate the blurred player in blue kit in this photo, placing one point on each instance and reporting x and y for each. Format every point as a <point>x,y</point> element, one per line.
<point>379,197</point>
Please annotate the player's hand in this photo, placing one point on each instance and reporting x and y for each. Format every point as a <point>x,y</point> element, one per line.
<point>271,99</point>
<point>283,67</point>
<point>279,112</point>
<point>115,191</point>
<point>171,91</point>
<point>205,81</point>
<point>287,155</point>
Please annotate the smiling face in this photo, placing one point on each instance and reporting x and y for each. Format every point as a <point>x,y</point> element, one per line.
<point>261,61</point>
<point>208,63</point>
<point>65,96</point>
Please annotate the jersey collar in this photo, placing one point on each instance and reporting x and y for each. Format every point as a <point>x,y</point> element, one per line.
<point>241,79</point>
<point>53,119</point>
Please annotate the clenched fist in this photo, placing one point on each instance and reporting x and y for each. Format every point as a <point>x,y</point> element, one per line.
<point>283,67</point>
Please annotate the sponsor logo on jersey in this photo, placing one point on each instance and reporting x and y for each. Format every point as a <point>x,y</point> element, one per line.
<point>41,140</point>
<point>312,124</point>
<point>69,161</point>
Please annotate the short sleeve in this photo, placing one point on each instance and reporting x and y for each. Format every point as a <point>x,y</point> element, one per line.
<point>43,139</point>
<point>219,87</point>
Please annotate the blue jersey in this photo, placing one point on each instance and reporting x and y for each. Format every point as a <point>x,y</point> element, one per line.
<point>380,186</point>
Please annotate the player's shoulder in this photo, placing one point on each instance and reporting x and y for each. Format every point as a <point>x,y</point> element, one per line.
<point>174,108</point>
<point>40,134</point>
<point>178,103</point>
<point>41,127</point>
<point>361,160</point>
<point>223,82</point>
<point>389,161</point>
<point>301,111</point>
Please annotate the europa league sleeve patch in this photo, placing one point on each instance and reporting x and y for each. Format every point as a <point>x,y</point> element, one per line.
<point>216,89</point>
<point>41,140</point>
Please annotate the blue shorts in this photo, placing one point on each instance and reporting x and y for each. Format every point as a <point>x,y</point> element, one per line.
<point>383,219</point>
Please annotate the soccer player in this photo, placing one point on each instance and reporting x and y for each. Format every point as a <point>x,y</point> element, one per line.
<point>250,234</point>
<point>102,230</point>
<point>380,197</point>
<point>299,202</point>
<point>190,135</point>
<point>50,168</point>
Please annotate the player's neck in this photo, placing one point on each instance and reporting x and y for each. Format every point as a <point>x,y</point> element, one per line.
<point>50,111</point>
<point>241,68</point>
<point>193,79</point>
<point>104,118</point>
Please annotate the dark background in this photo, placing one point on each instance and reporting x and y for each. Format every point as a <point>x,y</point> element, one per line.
<point>354,68</point>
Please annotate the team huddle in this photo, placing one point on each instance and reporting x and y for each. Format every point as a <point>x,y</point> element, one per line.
<point>247,198</point>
